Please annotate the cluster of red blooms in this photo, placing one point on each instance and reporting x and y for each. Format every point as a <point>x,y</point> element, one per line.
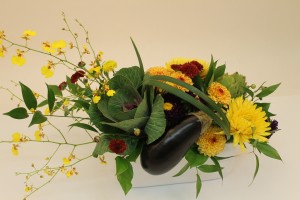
<point>62,86</point>
<point>118,146</point>
<point>76,76</point>
<point>191,69</point>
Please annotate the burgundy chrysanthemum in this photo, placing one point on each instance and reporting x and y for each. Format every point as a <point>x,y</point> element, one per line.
<point>117,146</point>
<point>62,86</point>
<point>191,69</point>
<point>76,76</point>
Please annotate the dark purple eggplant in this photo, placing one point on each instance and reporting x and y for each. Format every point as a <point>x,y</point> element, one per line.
<point>165,153</point>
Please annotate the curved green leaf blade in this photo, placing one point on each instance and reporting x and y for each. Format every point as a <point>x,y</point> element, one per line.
<point>129,125</point>
<point>28,97</point>
<point>198,185</point>
<point>182,170</point>
<point>194,158</point>
<point>18,113</point>
<point>268,150</point>
<point>37,118</point>
<point>256,168</point>
<point>51,98</point>
<point>139,59</point>
<point>208,168</point>
<point>124,173</point>
<point>217,164</point>
<point>268,90</point>
<point>83,126</point>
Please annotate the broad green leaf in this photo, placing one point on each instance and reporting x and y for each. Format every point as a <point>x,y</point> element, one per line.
<point>128,125</point>
<point>124,173</point>
<point>182,170</point>
<point>43,103</point>
<point>268,150</point>
<point>222,121</point>
<point>28,96</point>
<point>139,59</point>
<point>97,118</point>
<point>256,168</point>
<point>126,77</point>
<point>51,98</point>
<point>267,91</point>
<point>37,118</point>
<point>217,164</point>
<point>117,104</point>
<point>18,113</point>
<point>83,126</point>
<point>198,185</point>
<point>208,168</point>
<point>156,124</point>
<point>103,108</point>
<point>194,158</point>
<point>101,147</point>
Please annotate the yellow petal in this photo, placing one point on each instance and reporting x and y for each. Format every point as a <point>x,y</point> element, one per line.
<point>16,137</point>
<point>29,33</point>
<point>18,60</point>
<point>47,72</point>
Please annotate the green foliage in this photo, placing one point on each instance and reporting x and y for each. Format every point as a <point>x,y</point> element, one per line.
<point>51,98</point>
<point>139,59</point>
<point>128,125</point>
<point>267,150</point>
<point>235,83</point>
<point>126,77</point>
<point>194,158</point>
<point>124,173</point>
<point>83,126</point>
<point>267,91</point>
<point>101,147</point>
<point>218,167</point>
<point>156,124</point>
<point>182,170</point>
<point>18,113</point>
<point>208,168</point>
<point>198,185</point>
<point>37,118</point>
<point>28,97</point>
<point>256,167</point>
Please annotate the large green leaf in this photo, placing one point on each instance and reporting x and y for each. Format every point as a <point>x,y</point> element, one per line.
<point>103,108</point>
<point>128,125</point>
<point>28,96</point>
<point>101,147</point>
<point>55,89</point>
<point>51,98</point>
<point>156,124</point>
<point>142,109</point>
<point>126,77</point>
<point>18,113</point>
<point>268,90</point>
<point>117,104</point>
<point>268,150</point>
<point>194,158</point>
<point>37,118</point>
<point>124,173</point>
<point>97,118</point>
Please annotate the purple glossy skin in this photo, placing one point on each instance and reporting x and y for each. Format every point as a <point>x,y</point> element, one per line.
<point>164,154</point>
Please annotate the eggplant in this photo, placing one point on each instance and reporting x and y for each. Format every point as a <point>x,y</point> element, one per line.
<point>162,155</point>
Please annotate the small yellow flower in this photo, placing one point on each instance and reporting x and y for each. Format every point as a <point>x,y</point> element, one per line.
<point>47,47</point>
<point>66,102</point>
<point>16,137</point>
<point>28,33</point>
<point>94,71</point>
<point>15,150</point>
<point>38,135</point>
<point>137,131</point>
<point>32,110</point>
<point>28,188</point>
<point>48,171</point>
<point>85,50</point>
<point>99,55</point>
<point>47,71</point>
<point>110,93</point>
<point>1,52</point>
<point>47,111</point>
<point>36,95</point>
<point>168,106</point>
<point>109,66</point>
<point>66,161</point>
<point>71,172</point>
<point>2,35</point>
<point>18,60</point>
<point>59,44</point>
<point>96,99</point>
<point>219,93</point>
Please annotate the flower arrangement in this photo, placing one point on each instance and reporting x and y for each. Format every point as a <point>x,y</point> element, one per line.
<point>188,108</point>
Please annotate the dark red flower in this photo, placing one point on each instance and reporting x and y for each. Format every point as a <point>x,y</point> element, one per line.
<point>76,76</point>
<point>62,86</point>
<point>117,146</point>
<point>191,69</point>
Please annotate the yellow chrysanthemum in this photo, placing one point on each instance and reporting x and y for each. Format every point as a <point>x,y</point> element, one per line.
<point>18,60</point>
<point>109,66</point>
<point>247,122</point>
<point>160,71</point>
<point>47,71</point>
<point>180,76</point>
<point>110,93</point>
<point>219,93</point>
<point>211,142</point>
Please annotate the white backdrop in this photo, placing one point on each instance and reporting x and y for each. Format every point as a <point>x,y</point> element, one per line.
<point>260,39</point>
